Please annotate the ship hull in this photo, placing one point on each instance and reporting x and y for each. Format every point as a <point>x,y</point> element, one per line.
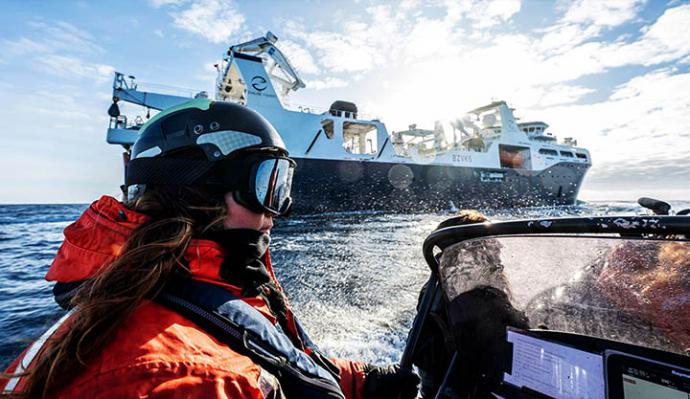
<point>322,185</point>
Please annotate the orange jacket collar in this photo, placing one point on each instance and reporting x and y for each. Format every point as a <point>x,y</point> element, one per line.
<point>98,236</point>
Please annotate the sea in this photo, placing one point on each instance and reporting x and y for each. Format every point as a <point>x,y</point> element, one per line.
<point>353,278</point>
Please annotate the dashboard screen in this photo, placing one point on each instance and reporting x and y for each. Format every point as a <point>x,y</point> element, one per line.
<point>646,384</point>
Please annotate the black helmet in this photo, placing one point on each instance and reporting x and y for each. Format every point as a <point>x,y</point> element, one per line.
<point>219,144</point>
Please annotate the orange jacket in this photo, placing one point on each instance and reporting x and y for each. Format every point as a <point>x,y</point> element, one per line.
<point>158,353</point>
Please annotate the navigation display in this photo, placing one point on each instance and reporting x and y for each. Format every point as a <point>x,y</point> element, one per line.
<point>632,377</point>
<point>639,388</point>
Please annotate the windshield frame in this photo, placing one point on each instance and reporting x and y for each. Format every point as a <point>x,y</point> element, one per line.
<point>651,227</point>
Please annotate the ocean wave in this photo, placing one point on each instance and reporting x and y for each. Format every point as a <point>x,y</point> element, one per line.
<point>353,277</point>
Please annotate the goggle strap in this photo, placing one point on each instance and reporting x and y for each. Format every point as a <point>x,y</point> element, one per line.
<point>166,171</point>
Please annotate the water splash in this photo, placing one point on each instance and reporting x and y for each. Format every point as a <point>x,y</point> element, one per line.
<point>352,277</point>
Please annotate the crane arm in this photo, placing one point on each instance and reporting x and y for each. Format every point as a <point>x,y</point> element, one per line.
<point>265,45</point>
<point>128,92</point>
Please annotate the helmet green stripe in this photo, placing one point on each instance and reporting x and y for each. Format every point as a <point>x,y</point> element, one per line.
<point>200,103</point>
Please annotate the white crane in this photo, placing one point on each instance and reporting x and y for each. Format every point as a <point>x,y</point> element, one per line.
<point>230,85</point>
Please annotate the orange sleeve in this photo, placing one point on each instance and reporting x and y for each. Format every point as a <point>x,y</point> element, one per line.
<point>351,378</point>
<point>170,381</point>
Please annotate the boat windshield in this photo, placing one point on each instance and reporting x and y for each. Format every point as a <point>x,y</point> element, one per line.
<point>623,289</point>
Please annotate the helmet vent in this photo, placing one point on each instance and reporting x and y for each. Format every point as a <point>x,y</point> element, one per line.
<point>228,141</point>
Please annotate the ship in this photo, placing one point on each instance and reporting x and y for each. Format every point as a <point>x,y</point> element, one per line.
<point>346,162</point>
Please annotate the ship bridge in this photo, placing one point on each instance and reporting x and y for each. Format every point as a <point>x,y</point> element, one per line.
<point>537,131</point>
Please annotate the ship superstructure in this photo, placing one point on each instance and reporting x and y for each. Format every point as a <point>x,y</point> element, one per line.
<point>485,158</point>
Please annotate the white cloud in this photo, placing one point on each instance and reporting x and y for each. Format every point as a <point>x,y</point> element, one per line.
<point>357,48</point>
<point>215,20</point>
<point>433,59</point>
<point>161,3</point>
<point>385,34</point>
<point>159,33</point>
<point>640,133</point>
<point>63,36</point>
<point>59,49</point>
<point>562,38</point>
<point>602,13</point>
<point>485,13</point>
<point>51,38</point>
<point>299,57</point>
<point>584,20</point>
<point>67,66</point>
<point>667,39</point>
<point>44,103</point>
<point>22,46</point>
<point>359,43</point>
<point>535,60</point>
<point>327,83</point>
<point>340,53</point>
<point>561,94</point>
<point>423,40</point>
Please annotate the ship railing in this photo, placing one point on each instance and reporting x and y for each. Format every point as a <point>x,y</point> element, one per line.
<point>315,109</point>
<point>311,109</point>
<point>166,89</point>
<point>122,122</point>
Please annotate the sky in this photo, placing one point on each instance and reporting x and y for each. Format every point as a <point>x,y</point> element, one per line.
<point>613,74</point>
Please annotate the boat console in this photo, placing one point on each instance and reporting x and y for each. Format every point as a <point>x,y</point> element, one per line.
<point>595,307</point>
<point>561,365</point>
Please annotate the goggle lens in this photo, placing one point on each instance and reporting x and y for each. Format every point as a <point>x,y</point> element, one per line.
<point>273,183</point>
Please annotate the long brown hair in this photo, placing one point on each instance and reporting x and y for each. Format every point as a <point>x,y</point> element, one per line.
<point>151,253</point>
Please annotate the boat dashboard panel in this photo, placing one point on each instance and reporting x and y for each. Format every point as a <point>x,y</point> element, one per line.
<point>552,364</point>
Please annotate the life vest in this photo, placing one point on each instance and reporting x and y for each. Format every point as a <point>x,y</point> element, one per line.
<point>238,325</point>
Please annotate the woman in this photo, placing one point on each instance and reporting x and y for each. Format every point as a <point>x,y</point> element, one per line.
<point>172,294</point>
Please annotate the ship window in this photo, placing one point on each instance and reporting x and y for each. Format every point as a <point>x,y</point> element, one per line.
<point>359,138</point>
<point>531,129</point>
<point>567,154</point>
<point>581,156</point>
<point>327,125</point>
<point>546,151</point>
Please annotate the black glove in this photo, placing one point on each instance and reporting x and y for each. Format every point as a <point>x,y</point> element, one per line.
<point>389,382</point>
<point>478,320</point>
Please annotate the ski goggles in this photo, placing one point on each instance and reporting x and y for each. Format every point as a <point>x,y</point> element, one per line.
<point>260,182</point>
<point>266,185</point>
<point>270,185</point>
